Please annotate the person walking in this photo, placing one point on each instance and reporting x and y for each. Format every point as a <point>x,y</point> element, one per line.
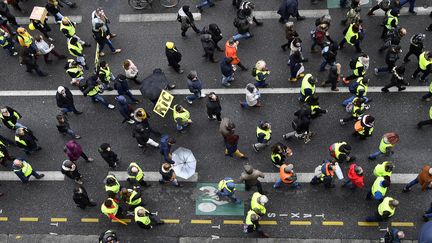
<point>319,35</point>
<point>333,77</point>
<point>301,124</point>
<point>308,86</point>
<point>379,189</point>
<point>105,75</point>
<point>384,6</point>
<point>227,69</point>
<point>242,24</point>
<point>110,207</point>
<point>340,152</point>
<point>216,34</point>
<point>424,178</point>
<point>131,71</point>
<point>76,50</point>
<point>290,34</point>
<point>391,21</point>
<point>424,66</point>
<point>252,224</point>
<point>174,56</point>
<point>26,40</point>
<point>214,107</point>
<point>231,146</point>
<point>4,153</point>
<point>258,202</point>
<point>364,127</point>
<point>108,236</point>
<point>263,134</point>
<point>324,173</point>
<point>108,155</point>
<point>10,118</point>
<point>186,19</point>
<point>42,26</point>
<point>329,54</point>
<point>24,170</point>
<point>279,154</point>
<point>287,177</point>
<point>352,36</point>
<point>94,89</point>
<point>132,197</point>
<point>142,134</point>
<point>411,6</point>
<point>226,127</point>
<point>145,219</point>
<point>252,97</point>
<point>7,43</point>
<point>166,142</point>
<point>64,128</point>
<point>260,72</point>
<point>195,86</point>
<point>73,150</point>
<point>204,3</point>
<point>98,17</point>
<point>103,38</point>
<point>357,107</point>
<point>209,46</point>
<point>28,58</point>
<point>312,101</point>
<point>359,66</point>
<point>44,49</point>
<point>65,101</point>
<point>112,186</point>
<point>386,146</point>
<point>70,170</point>
<point>250,177</point>
<point>181,118</point>
<point>226,190</point>
<point>385,210</point>
<point>359,89</point>
<point>397,79</point>
<point>231,51</point>
<point>426,122</point>
<point>355,177</point>
<point>136,175</point>
<point>416,46</point>
<point>394,235</point>
<point>384,169</point>
<point>68,28</point>
<point>25,140</point>
<point>125,109</point>
<point>168,175</point>
<point>393,38</point>
<point>5,12</point>
<point>122,87</point>
<point>81,198</point>
<point>74,70</point>
<point>391,58</point>
<point>287,9</point>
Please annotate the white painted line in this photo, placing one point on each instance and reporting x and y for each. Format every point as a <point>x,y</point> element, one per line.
<point>307,13</point>
<point>150,176</point>
<point>49,176</point>
<point>404,11</point>
<point>25,20</point>
<point>307,177</point>
<point>127,18</point>
<point>374,89</point>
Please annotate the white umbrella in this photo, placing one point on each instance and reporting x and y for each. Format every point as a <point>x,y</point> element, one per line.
<point>185,163</point>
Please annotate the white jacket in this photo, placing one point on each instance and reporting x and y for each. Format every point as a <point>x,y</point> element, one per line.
<point>252,98</point>
<point>132,71</point>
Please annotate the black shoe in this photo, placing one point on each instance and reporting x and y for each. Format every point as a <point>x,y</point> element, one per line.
<point>40,176</point>
<point>78,112</point>
<point>301,18</point>
<point>406,190</point>
<point>183,34</point>
<point>384,90</point>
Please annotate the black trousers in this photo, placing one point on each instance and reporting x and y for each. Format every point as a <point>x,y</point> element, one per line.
<point>258,185</point>
<point>425,122</point>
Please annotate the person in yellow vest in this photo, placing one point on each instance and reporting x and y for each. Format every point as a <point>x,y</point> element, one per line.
<point>352,36</point>
<point>385,211</point>
<point>7,43</point>
<point>263,134</point>
<point>181,118</point>
<point>386,146</point>
<point>428,95</point>
<point>424,66</point>
<point>136,175</point>
<point>307,86</point>
<point>68,28</point>
<point>105,75</point>
<point>340,152</point>
<point>258,203</point>
<point>385,169</point>
<point>74,70</point>
<point>324,173</point>
<point>226,189</point>
<point>111,208</point>
<point>76,49</point>
<point>132,197</point>
<point>357,107</point>
<point>10,118</point>
<point>279,154</point>
<point>287,176</point>
<point>24,170</point>
<point>26,40</point>
<point>426,122</point>
<point>378,189</point>
<point>364,127</point>
<point>112,186</point>
<point>252,224</point>
<point>260,72</point>
<point>391,21</point>
<point>312,102</point>
<point>4,153</point>
<point>361,65</point>
<point>25,140</point>
<point>145,219</point>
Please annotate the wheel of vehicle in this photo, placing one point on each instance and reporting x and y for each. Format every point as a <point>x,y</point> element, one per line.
<point>139,4</point>
<point>169,3</point>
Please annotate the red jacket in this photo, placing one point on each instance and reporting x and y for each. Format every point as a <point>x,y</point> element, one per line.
<point>357,180</point>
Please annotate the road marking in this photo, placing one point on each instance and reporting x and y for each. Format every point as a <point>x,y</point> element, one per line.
<point>404,11</point>
<point>160,17</point>
<point>200,221</point>
<point>29,219</point>
<point>300,223</point>
<point>320,90</point>
<point>233,221</point>
<point>49,176</point>
<point>332,223</point>
<point>171,221</point>
<point>89,220</point>
<point>307,177</point>
<point>402,224</point>
<point>58,220</point>
<point>368,224</point>
<point>313,13</point>
<point>268,222</point>
<point>4,219</point>
<point>26,20</point>
<point>124,220</point>
<point>150,176</point>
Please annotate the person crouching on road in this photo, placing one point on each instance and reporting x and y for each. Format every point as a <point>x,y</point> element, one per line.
<point>226,190</point>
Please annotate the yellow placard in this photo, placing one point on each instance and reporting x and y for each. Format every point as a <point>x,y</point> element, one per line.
<point>163,104</point>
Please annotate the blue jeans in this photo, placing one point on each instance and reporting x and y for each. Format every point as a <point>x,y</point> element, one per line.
<point>375,155</point>
<point>293,185</point>
<point>324,64</point>
<point>100,99</point>
<point>18,125</point>
<point>246,35</point>
<point>349,184</point>
<point>226,80</point>
<point>350,99</point>
<point>261,84</point>
<point>411,4</point>
<point>181,127</point>
<point>109,43</point>
<point>195,96</point>
<point>428,213</point>
<point>412,183</point>
<point>205,3</point>
<point>68,109</point>
<point>222,194</point>
<point>130,95</point>
<point>70,132</point>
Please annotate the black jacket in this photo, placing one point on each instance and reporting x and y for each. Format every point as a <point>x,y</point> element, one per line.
<point>213,107</point>
<point>242,24</point>
<point>141,133</point>
<point>208,44</point>
<point>29,138</point>
<point>121,86</point>
<point>65,101</point>
<point>215,32</point>
<point>81,199</point>
<point>109,156</point>
<point>173,56</point>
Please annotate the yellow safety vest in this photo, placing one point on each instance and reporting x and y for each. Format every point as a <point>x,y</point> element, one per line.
<point>2,38</point>
<point>106,72</point>
<point>361,86</point>
<point>27,39</point>
<point>361,132</point>
<point>430,87</point>
<point>358,65</point>
<point>430,112</point>
<point>184,116</point>
<point>115,188</point>
<point>264,73</point>
<point>383,145</point>
<point>78,47</point>
<point>379,170</point>
<point>19,140</point>
<point>376,186</point>
<point>70,28</point>
<point>140,174</point>
<point>267,133</point>
<point>423,62</point>
<point>274,156</point>
<point>223,185</point>
<point>134,202</point>
<point>356,108</point>
<point>94,91</point>
<point>336,149</point>
<point>255,206</point>
<point>108,211</point>
<point>26,169</point>
<point>143,219</point>
<point>248,220</point>
<point>306,85</point>
<point>349,34</point>
<point>390,19</point>
<point>75,71</point>
<point>384,206</point>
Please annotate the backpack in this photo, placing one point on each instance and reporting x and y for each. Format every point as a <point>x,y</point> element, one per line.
<point>353,63</point>
<point>353,87</point>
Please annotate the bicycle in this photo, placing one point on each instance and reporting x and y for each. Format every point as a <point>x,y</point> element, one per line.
<point>144,4</point>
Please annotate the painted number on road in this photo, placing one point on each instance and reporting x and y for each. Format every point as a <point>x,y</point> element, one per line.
<point>163,104</point>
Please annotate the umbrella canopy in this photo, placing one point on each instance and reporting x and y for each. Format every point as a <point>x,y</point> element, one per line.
<point>153,85</point>
<point>185,163</point>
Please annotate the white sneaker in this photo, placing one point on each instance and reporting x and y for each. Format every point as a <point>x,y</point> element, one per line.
<point>203,95</point>
<point>130,121</point>
<point>111,106</point>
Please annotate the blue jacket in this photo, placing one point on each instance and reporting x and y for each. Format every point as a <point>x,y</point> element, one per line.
<point>226,68</point>
<point>165,149</point>
<point>20,174</point>
<point>194,85</point>
<point>121,86</point>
